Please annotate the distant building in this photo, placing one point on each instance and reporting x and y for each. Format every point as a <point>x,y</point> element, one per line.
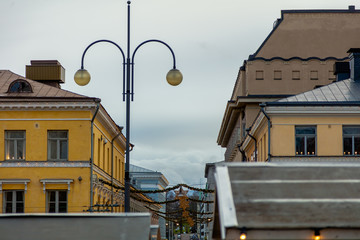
<point>297,56</point>
<point>145,179</point>
<point>206,227</point>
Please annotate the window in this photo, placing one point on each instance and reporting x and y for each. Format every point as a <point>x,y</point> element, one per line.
<point>277,75</point>
<point>57,145</point>
<point>332,76</point>
<point>305,138</point>
<point>351,140</point>
<point>15,145</point>
<point>259,75</point>
<point>295,75</point>
<point>314,75</point>
<point>13,202</point>
<point>20,86</point>
<point>56,201</point>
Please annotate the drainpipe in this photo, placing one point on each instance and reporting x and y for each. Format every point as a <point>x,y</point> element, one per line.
<point>248,130</point>
<point>92,155</point>
<point>242,152</point>
<point>112,168</point>
<point>262,105</point>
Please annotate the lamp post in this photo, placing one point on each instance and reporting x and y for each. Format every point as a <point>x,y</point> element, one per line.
<point>82,77</point>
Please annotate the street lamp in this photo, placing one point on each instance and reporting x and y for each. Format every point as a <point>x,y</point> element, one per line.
<point>82,77</point>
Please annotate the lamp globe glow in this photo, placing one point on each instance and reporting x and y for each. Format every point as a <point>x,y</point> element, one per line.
<point>82,77</point>
<point>174,77</point>
<point>243,236</point>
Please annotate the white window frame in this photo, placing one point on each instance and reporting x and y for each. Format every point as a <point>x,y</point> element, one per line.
<point>306,136</point>
<point>8,139</point>
<point>57,201</point>
<point>352,135</point>
<point>13,201</point>
<point>58,141</point>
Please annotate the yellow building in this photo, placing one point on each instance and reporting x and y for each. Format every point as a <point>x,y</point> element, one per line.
<point>318,125</point>
<point>47,135</point>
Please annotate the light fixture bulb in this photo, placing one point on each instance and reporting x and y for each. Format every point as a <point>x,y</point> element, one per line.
<point>174,77</point>
<point>243,236</point>
<point>317,235</point>
<point>82,77</point>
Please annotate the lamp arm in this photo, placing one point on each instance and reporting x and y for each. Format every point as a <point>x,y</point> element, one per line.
<point>122,53</point>
<point>103,40</point>
<point>159,41</point>
<point>133,56</point>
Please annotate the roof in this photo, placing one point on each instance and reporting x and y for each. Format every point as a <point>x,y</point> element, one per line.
<point>346,92</point>
<point>134,168</point>
<point>304,28</point>
<point>39,90</point>
<point>288,195</point>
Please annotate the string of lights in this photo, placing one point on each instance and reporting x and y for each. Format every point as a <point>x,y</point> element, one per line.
<point>160,190</point>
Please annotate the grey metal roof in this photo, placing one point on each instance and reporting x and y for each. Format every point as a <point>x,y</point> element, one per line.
<point>339,92</point>
<point>134,168</point>
<point>288,195</point>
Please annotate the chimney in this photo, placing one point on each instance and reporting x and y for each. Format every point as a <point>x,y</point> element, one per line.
<point>49,72</point>
<point>354,64</point>
<point>342,71</point>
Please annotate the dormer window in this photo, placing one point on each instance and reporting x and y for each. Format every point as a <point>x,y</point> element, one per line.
<point>20,86</point>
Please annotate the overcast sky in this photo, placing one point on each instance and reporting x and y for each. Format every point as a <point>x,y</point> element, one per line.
<point>174,129</point>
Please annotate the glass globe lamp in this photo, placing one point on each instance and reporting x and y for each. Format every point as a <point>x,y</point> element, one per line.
<point>174,77</point>
<point>82,77</point>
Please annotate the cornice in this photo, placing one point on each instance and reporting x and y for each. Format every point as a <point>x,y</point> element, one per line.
<point>313,110</point>
<point>47,164</point>
<point>297,58</point>
<point>230,114</point>
<point>40,105</point>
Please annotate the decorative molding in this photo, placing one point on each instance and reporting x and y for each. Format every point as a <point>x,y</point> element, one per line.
<point>313,110</point>
<point>45,119</point>
<point>298,58</point>
<point>14,181</point>
<point>23,105</point>
<point>315,159</point>
<point>106,176</point>
<point>31,164</point>
<point>106,193</point>
<point>56,181</point>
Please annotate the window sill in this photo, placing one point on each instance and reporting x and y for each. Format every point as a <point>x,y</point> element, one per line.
<point>57,160</point>
<point>15,160</point>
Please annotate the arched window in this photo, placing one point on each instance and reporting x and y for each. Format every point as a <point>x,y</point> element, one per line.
<point>20,86</point>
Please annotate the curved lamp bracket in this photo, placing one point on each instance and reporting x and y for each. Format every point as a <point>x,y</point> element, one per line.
<point>122,53</point>
<point>104,40</point>
<point>133,56</point>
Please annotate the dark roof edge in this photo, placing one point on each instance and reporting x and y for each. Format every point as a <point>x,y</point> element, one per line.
<point>298,58</point>
<point>349,10</point>
<point>266,96</point>
<point>276,25</point>
<point>342,103</point>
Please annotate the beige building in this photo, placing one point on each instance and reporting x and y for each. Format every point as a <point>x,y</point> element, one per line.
<point>317,125</point>
<point>297,56</point>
